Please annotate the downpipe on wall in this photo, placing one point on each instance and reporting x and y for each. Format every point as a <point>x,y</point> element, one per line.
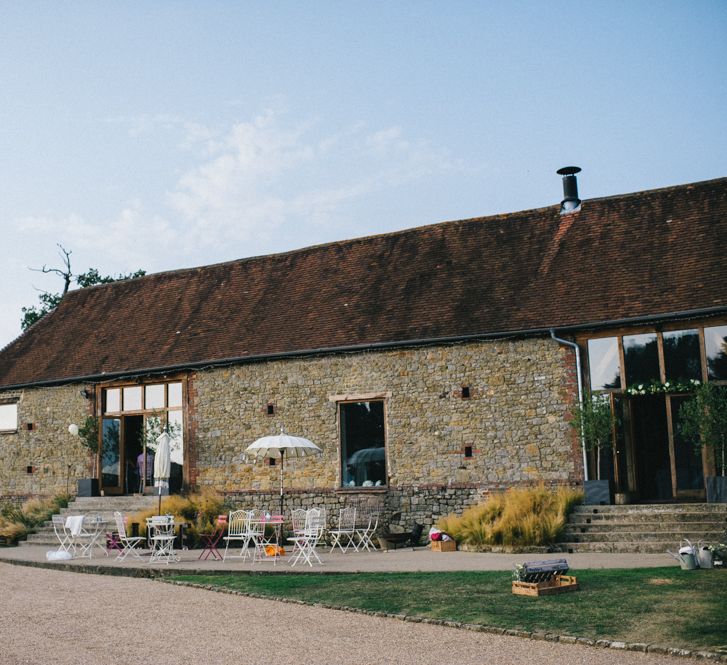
<point>579,380</point>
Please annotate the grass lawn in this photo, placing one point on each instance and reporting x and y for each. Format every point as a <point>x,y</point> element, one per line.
<point>668,606</point>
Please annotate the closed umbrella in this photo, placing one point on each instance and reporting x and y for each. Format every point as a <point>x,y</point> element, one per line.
<point>162,465</point>
<point>280,446</point>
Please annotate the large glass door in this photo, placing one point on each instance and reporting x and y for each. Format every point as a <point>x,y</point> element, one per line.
<point>666,466</point>
<point>650,441</point>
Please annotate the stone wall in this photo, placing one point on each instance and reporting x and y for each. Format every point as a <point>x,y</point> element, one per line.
<point>514,419</point>
<point>402,506</point>
<point>43,443</point>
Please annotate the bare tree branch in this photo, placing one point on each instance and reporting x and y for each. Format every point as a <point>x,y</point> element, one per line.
<point>66,274</point>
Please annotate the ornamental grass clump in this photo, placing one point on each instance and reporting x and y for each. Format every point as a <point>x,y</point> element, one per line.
<point>516,518</point>
<point>16,522</point>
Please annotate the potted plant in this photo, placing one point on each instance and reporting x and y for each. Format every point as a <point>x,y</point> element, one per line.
<point>703,421</point>
<point>594,421</point>
<point>88,436</point>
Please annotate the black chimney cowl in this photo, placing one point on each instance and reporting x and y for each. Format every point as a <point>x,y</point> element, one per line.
<point>570,202</point>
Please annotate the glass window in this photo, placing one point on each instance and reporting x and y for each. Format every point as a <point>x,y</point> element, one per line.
<point>110,452</point>
<point>715,341</point>
<point>154,396</point>
<point>8,417</point>
<point>363,444</point>
<point>175,394</point>
<point>687,454</point>
<point>682,359</point>
<point>132,398</point>
<point>604,364</point>
<point>113,400</point>
<point>176,448</point>
<point>641,357</point>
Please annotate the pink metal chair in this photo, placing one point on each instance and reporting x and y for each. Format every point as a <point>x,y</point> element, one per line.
<point>210,540</point>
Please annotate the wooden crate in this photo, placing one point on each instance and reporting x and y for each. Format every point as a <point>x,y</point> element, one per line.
<point>557,584</point>
<point>444,546</point>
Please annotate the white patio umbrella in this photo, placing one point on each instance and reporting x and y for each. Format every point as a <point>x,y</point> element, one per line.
<point>162,465</point>
<point>280,446</point>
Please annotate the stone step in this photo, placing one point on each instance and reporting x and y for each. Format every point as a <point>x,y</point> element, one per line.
<point>649,517</point>
<point>644,536</point>
<point>643,528</point>
<point>104,506</point>
<point>653,508</point>
<point>620,547</point>
<point>111,503</point>
<point>660,526</point>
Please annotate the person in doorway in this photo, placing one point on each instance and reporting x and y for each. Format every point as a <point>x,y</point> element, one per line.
<point>145,473</point>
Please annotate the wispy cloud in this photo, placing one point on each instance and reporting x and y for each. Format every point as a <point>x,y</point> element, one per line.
<point>189,133</point>
<point>257,186</point>
<point>262,185</point>
<point>266,175</point>
<point>134,237</point>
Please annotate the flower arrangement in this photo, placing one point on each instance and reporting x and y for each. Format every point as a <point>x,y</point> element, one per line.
<point>658,388</point>
<point>719,552</point>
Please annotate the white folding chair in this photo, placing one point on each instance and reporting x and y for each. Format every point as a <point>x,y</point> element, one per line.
<point>256,524</point>
<point>297,520</point>
<point>365,529</point>
<point>81,540</point>
<point>63,535</point>
<point>129,544</point>
<point>237,531</point>
<point>305,543</point>
<point>344,536</point>
<point>161,538</point>
<point>297,523</point>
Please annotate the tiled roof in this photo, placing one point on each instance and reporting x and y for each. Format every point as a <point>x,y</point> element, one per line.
<point>620,257</point>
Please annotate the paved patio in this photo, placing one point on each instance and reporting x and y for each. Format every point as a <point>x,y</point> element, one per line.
<point>400,560</point>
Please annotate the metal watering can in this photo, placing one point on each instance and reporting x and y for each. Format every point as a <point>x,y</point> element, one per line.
<point>687,556</point>
<point>705,558</point>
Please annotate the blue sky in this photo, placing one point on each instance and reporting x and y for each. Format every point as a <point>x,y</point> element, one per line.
<point>161,135</point>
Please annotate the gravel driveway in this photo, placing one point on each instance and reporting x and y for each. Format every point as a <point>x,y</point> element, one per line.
<point>52,617</point>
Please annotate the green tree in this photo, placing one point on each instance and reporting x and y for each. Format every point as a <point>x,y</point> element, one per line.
<point>594,421</point>
<point>703,421</point>
<point>49,301</point>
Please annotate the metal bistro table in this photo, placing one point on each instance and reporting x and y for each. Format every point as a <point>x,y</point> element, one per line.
<point>265,544</point>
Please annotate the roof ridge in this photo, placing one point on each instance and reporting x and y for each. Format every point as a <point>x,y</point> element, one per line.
<point>387,234</point>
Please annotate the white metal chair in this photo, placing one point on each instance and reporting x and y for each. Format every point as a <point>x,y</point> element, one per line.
<point>297,523</point>
<point>365,529</point>
<point>161,538</point>
<point>344,536</point>
<point>297,520</point>
<point>129,544</point>
<point>237,528</point>
<point>256,524</point>
<point>305,543</point>
<point>63,535</point>
<point>80,539</point>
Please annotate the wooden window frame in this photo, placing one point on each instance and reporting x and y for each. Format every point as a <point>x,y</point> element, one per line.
<point>11,401</point>
<point>101,413</point>
<point>352,398</point>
